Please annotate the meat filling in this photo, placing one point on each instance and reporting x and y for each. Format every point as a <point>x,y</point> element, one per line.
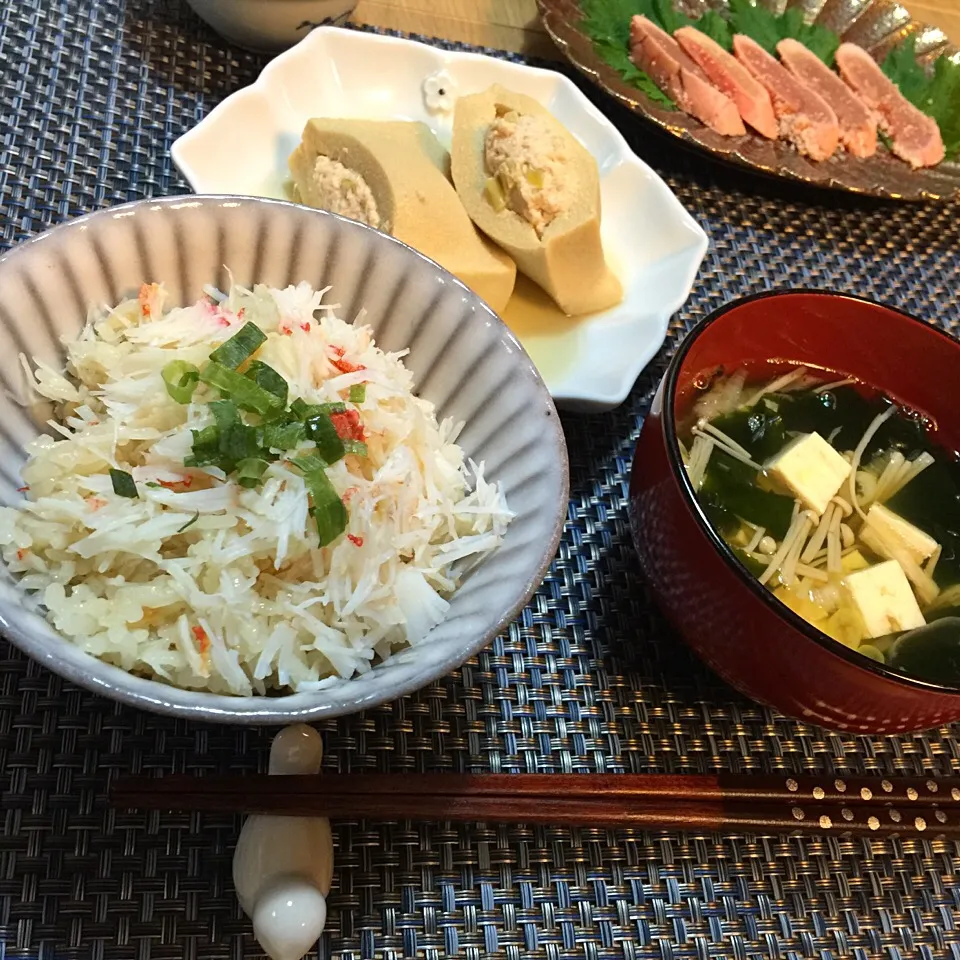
<point>341,190</point>
<point>529,169</point>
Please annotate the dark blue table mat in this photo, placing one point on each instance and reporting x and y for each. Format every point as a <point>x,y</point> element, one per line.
<point>92,94</point>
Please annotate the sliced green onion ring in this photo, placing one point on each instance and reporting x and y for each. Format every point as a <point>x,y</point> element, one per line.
<point>206,447</point>
<point>304,411</point>
<point>241,346</point>
<point>284,436</point>
<point>225,412</point>
<point>181,379</point>
<point>328,510</point>
<point>238,442</point>
<point>250,471</point>
<point>323,433</point>
<point>246,394</point>
<point>265,376</point>
<point>308,463</point>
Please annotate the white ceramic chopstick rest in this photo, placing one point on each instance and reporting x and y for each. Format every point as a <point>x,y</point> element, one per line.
<point>283,866</point>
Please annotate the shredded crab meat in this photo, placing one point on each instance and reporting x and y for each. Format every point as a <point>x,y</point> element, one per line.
<point>206,584</point>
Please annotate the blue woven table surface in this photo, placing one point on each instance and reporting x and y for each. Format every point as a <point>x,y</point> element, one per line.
<point>590,678</point>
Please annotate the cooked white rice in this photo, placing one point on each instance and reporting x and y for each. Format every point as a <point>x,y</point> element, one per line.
<point>244,600</point>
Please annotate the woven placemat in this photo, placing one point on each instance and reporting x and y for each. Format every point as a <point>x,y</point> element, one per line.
<point>92,94</point>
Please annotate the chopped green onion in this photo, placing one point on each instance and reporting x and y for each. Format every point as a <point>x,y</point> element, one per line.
<point>265,376</point>
<point>304,411</point>
<point>154,484</point>
<point>181,379</point>
<point>279,415</point>
<point>250,471</point>
<point>123,484</point>
<point>358,393</point>
<point>308,463</point>
<point>242,345</point>
<point>206,447</point>
<point>328,510</point>
<point>324,409</point>
<point>237,442</point>
<point>190,522</point>
<point>225,412</point>
<point>357,447</point>
<point>331,519</point>
<point>282,436</point>
<point>246,394</point>
<point>323,433</point>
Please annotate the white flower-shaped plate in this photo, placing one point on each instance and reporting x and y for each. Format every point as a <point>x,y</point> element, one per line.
<point>651,241</point>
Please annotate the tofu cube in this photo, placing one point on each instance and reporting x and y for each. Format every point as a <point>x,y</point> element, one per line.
<point>892,527</point>
<point>884,599</point>
<point>811,470</point>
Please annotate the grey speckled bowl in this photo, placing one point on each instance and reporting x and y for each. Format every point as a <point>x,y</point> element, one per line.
<point>267,26</point>
<point>462,357</point>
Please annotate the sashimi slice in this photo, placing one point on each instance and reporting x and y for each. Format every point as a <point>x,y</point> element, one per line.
<point>656,53</point>
<point>805,118</point>
<point>858,123</point>
<point>914,136</point>
<point>729,76</point>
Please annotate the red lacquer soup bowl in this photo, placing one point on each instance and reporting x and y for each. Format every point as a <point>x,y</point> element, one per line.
<point>738,627</point>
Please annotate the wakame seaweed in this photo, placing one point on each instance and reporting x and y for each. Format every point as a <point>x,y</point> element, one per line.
<point>729,489</point>
<point>929,653</point>
<point>841,416</point>
<point>759,430</point>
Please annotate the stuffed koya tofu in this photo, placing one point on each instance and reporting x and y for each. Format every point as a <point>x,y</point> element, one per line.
<point>394,176</point>
<point>530,186</point>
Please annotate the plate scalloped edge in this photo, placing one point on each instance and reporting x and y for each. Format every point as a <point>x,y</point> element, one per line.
<point>342,72</point>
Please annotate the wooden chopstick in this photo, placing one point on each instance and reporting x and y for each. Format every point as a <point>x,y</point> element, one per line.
<point>719,787</point>
<point>868,806</point>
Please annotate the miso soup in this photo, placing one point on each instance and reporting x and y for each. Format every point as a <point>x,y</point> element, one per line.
<point>841,503</point>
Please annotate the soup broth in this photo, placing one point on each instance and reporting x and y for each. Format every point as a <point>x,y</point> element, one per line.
<point>841,503</point>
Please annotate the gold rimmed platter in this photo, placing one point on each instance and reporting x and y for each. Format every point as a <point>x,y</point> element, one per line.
<point>876,25</point>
